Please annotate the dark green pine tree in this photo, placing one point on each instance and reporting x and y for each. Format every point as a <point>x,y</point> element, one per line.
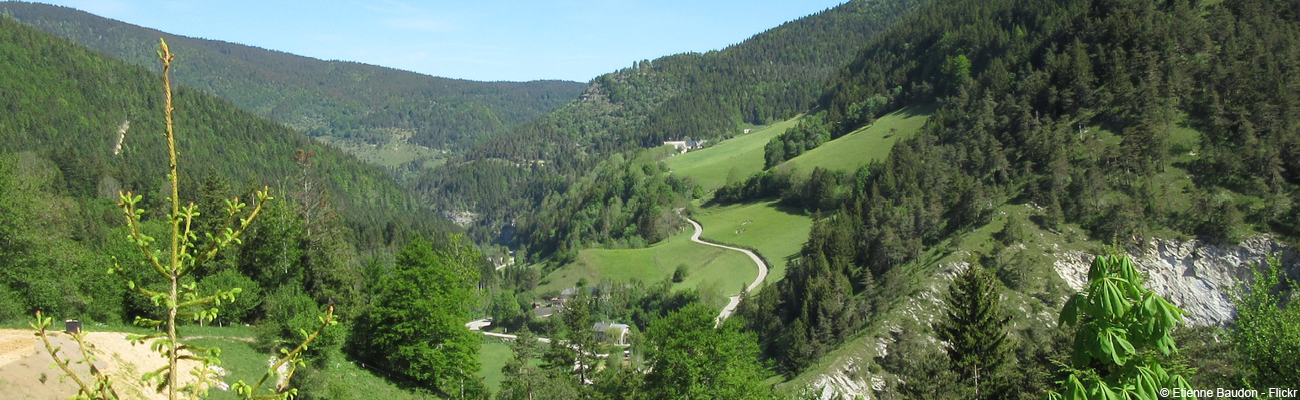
<point>975,329</point>
<point>525,381</point>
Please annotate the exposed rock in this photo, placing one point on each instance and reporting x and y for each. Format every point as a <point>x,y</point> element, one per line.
<point>1196,276</point>
<point>845,383</point>
<point>849,379</point>
<point>1193,275</point>
<point>460,218</point>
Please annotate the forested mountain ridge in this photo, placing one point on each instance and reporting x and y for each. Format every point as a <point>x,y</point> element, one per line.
<point>339,99</point>
<point>79,127</point>
<point>76,122</point>
<point>769,77</point>
<point>1117,120</point>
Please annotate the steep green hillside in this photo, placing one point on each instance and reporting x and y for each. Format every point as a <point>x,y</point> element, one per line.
<point>770,77</point>
<point>774,230</point>
<point>79,127</point>
<point>67,104</point>
<point>1119,120</point>
<point>728,161</point>
<point>867,144</point>
<point>343,100</point>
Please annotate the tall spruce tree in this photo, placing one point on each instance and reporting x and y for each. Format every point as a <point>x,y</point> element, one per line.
<point>577,352</point>
<point>975,330</point>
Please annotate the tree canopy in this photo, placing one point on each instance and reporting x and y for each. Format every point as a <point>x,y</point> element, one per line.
<point>416,327</point>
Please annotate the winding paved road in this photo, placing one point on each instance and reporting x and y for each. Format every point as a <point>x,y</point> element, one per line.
<point>726,311</point>
<point>762,270</point>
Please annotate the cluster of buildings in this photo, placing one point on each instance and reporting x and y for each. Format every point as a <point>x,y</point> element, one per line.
<point>609,332</point>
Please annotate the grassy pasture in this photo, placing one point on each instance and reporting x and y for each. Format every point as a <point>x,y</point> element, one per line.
<point>776,233</point>
<point>872,142</point>
<point>711,269</point>
<point>732,159</point>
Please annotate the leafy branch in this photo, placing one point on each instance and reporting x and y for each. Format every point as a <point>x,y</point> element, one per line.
<point>1119,322</point>
<point>181,300</point>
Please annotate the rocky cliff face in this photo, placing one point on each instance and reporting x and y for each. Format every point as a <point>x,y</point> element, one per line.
<point>1199,277</point>
<point>1193,275</point>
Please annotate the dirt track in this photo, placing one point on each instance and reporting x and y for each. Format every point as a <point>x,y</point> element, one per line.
<point>23,363</point>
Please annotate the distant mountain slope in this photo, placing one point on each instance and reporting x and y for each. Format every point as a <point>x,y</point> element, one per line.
<point>66,103</point>
<point>345,100</point>
<point>767,78</point>
<point>770,77</point>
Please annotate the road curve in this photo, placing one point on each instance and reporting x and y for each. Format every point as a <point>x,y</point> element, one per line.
<point>762,270</point>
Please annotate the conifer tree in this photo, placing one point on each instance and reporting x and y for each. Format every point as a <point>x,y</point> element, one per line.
<point>975,330</point>
<point>577,352</point>
<point>185,254</point>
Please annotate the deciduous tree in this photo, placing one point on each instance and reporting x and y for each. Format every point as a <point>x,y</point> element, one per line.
<point>1123,327</point>
<point>416,327</point>
<point>691,359</point>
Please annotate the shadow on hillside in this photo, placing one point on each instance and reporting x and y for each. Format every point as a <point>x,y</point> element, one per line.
<point>921,109</point>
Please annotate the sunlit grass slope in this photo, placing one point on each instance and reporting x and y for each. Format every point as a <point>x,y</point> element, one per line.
<point>872,142</point>
<point>710,268</point>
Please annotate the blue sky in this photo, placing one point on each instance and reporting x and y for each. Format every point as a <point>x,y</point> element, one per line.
<point>512,40</point>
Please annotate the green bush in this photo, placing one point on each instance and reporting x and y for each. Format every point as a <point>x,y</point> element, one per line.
<point>11,304</point>
<point>244,304</point>
<point>679,275</point>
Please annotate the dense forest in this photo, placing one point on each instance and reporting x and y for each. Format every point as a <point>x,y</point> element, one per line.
<point>1121,119</point>
<point>1127,118</point>
<point>80,127</point>
<point>769,77</point>
<point>339,99</point>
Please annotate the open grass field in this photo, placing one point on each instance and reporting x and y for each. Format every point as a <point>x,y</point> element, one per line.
<point>492,356</point>
<point>338,378</point>
<point>735,158</point>
<point>872,142</point>
<point>774,232</point>
<point>710,268</point>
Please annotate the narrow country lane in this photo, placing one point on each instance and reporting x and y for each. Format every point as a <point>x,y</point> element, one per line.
<point>762,270</point>
<point>734,301</point>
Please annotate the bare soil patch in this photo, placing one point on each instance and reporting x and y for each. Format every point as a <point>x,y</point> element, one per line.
<point>27,372</point>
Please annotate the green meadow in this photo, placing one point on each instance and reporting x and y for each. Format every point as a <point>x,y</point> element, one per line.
<point>732,159</point>
<point>872,142</point>
<point>712,270</point>
<point>775,232</point>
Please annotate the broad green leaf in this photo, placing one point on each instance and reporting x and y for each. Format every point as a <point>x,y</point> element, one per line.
<point>1146,383</point>
<point>1074,389</point>
<point>1126,346</point>
<point>1103,391</point>
<point>1098,269</point>
<point>1070,312</point>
